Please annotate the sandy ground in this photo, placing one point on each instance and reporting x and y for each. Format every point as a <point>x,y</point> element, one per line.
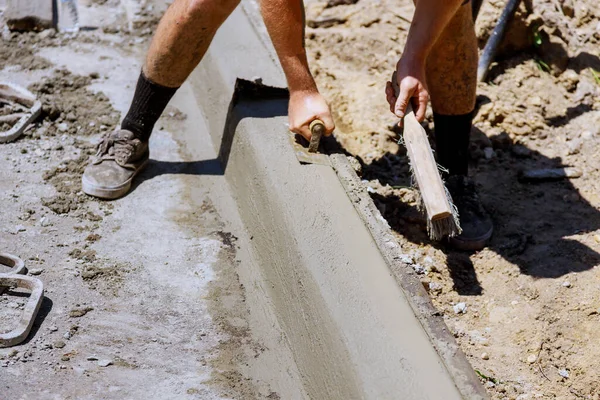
<point>532,305</point>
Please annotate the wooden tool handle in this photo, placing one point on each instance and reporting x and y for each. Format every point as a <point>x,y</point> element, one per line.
<point>423,164</point>
<point>317,129</point>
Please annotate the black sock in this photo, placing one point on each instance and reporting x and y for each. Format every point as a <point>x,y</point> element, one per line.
<point>452,133</point>
<point>149,102</point>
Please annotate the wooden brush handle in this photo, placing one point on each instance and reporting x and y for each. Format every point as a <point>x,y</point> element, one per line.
<point>317,129</point>
<point>423,164</point>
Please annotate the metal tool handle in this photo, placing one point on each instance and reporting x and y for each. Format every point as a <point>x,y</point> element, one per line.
<point>317,129</point>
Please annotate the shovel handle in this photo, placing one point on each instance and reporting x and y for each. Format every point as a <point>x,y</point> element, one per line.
<point>317,129</point>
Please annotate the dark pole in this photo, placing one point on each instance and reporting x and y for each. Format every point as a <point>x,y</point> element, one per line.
<point>489,52</point>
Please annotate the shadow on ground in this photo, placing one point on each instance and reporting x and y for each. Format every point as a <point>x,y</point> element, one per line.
<point>533,221</point>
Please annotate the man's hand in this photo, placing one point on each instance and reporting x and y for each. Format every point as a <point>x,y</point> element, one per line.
<point>410,79</point>
<point>304,108</point>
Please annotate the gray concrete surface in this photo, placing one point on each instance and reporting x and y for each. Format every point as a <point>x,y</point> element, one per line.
<point>314,248</point>
<point>168,308</point>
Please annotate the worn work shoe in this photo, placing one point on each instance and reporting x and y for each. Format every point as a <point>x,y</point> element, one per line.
<point>476,223</point>
<point>120,157</point>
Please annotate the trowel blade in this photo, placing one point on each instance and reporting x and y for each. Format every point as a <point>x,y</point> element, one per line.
<point>303,155</point>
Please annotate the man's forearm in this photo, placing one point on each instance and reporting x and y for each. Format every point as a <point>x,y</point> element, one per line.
<point>285,22</point>
<point>429,21</point>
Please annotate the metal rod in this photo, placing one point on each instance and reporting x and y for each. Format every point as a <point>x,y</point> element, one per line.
<point>489,52</point>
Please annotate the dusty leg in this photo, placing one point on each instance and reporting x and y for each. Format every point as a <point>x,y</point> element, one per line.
<point>182,38</point>
<point>452,66</point>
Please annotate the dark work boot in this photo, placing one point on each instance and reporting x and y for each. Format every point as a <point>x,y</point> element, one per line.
<point>476,223</point>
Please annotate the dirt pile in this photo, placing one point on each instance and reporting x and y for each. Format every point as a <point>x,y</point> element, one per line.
<point>525,310</point>
<point>70,108</point>
<point>18,49</point>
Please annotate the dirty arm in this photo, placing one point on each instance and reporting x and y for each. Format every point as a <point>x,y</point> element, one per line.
<point>285,21</point>
<point>429,21</point>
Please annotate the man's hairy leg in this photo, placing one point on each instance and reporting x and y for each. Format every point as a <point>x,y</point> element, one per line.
<point>452,66</point>
<point>452,81</point>
<point>182,38</point>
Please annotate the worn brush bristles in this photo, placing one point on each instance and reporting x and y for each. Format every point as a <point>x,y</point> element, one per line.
<point>444,227</point>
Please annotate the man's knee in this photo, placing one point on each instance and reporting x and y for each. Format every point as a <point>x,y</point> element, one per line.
<point>217,8</point>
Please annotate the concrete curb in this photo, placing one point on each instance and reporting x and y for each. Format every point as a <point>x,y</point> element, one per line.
<point>357,323</point>
<point>442,339</point>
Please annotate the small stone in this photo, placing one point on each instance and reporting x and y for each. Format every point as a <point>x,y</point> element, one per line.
<point>79,312</point>
<point>52,328</point>
<point>65,358</point>
<point>566,284</point>
<point>564,373</point>
<point>63,127</point>
<point>597,238</point>
<point>584,92</point>
<point>92,358</point>
<point>67,335</point>
<point>490,385</point>
<point>571,79</point>
<point>35,271</point>
<point>586,135</point>
<point>20,228</point>
<point>460,308</point>
<point>531,358</point>
<point>104,363</point>
<point>435,287</point>
<point>406,259</point>
<point>419,269</point>
<point>489,153</point>
<point>535,101</point>
<point>59,344</point>
<point>574,146</point>
<point>485,356</point>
